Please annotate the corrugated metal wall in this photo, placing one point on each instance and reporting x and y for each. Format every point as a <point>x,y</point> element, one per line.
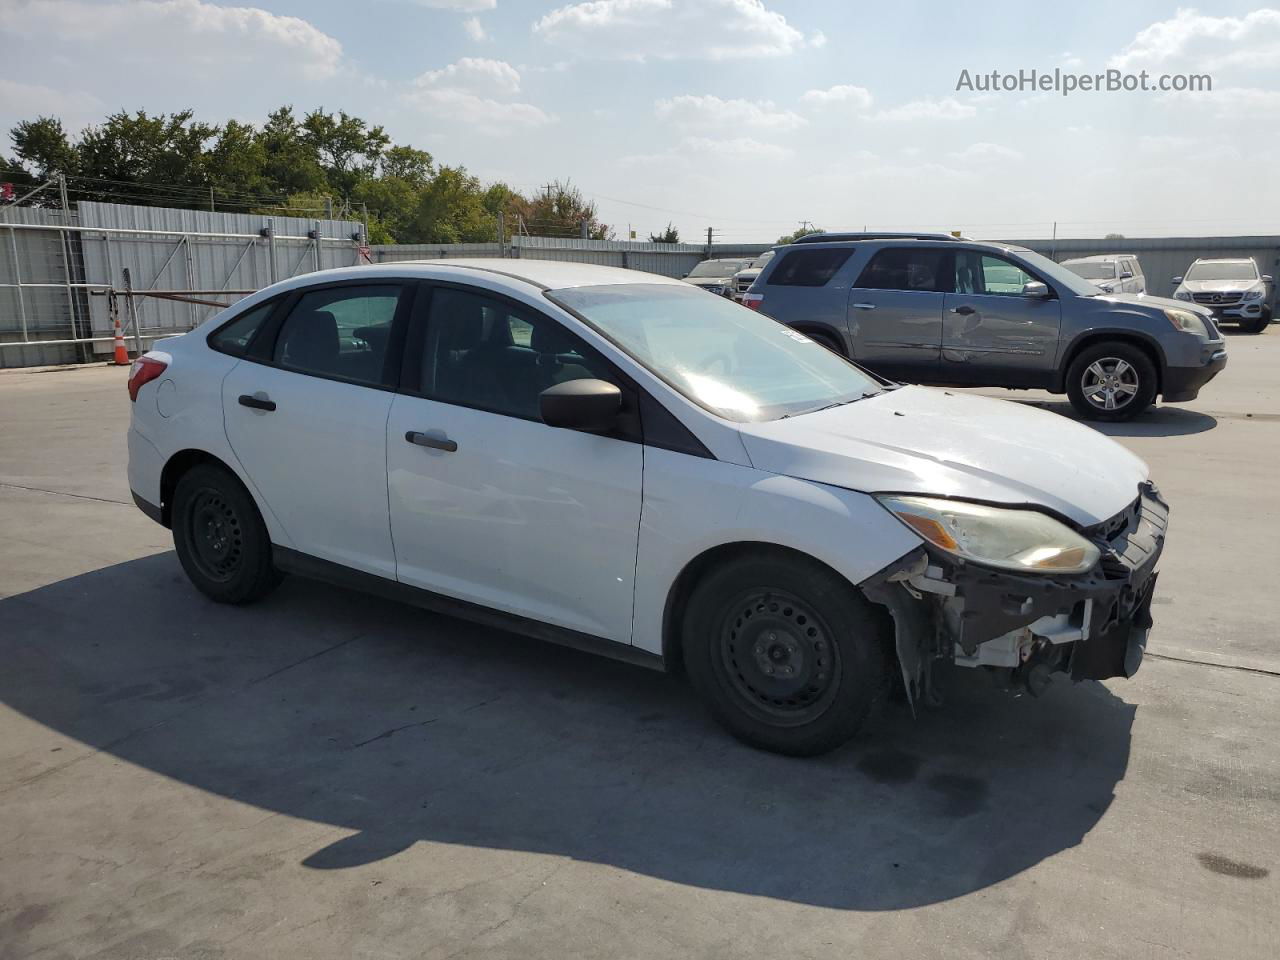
<point>174,249</point>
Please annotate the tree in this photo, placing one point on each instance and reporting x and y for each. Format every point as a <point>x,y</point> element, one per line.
<point>347,149</point>
<point>406,163</point>
<point>136,157</point>
<point>1114,236</point>
<point>236,164</point>
<point>290,163</point>
<point>451,210</point>
<point>42,147</point>
<point>560,210</point>
<point>802,232</point>
<point>670,235</point>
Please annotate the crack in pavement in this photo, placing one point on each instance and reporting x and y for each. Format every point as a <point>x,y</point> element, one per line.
<point>60,493</point>
<point>393,731</point>
<point>1261,671</point>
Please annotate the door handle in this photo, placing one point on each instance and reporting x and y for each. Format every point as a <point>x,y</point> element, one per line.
<point>257,403</point>
<point>864,306</point>
<point>435,443</point>
<point>963,311</point>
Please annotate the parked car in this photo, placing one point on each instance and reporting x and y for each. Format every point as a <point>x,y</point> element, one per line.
<point>743,279</point>
<point>1235,290</point>
<point>948,311</point>
<point>611,460</point>
<point>1110,272</point>
<point>715,276</point>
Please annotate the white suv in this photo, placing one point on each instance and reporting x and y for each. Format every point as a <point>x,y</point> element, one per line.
<point>1235,290</point>
<point>1110,272</point>
<point>618,462</point>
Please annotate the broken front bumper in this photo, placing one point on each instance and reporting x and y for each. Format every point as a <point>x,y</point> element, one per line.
<point>1092,626</point>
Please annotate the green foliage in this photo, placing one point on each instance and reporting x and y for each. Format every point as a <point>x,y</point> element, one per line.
<point>323,161</point>
<point>669,235</point>
<point>802,232</point>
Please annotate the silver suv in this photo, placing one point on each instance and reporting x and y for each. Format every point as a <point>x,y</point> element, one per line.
<point>931,308</point>
<point>715,276</point>
<point>1110,272</point>
<point>1235,290</point>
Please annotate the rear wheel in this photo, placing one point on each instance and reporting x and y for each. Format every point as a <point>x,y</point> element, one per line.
<point>1111,381</point>
<point>788,655</point>
<point>220,538</point>
<point>826,340</point>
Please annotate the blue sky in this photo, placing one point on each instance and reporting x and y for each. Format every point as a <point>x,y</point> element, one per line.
<point>747,116</point>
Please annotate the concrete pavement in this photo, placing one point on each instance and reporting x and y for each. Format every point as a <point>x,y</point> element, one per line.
<point>326,775</point>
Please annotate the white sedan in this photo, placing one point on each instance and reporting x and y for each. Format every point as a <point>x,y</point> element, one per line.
<point>618,462</point>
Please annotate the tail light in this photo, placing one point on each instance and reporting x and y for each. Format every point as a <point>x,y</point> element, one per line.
<point>144,370</point>
<point>752,300</point>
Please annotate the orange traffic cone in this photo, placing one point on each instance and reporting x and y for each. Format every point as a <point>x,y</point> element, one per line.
<point>122,355</point>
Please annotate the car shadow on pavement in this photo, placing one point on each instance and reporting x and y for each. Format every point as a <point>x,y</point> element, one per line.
<point>1156,422</point>
<point>404,726</point>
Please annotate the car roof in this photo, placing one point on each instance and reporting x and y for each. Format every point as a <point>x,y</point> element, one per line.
<point>1098,257</point>
<point>825,237</point>
<point>543,274</point>
<point>1225,260</point>
<point>914,240</point>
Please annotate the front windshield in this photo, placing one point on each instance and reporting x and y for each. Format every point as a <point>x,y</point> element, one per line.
<point>1056,272</point>
<point>735,362</point>
<point>1223,270</point>
<point>716,268</point>
<point>759,262</point>
<point>1092,269</point>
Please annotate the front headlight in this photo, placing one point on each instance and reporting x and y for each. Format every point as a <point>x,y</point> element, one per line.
<point>1188,322</point>
<point>1021,540</point>
<point>1182,294</point>
<point>1255,293</point>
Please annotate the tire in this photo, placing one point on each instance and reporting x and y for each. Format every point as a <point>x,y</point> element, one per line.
<point>220,538</point>
<point>1117,368</point>
<point>1259,325</point>
<point>759,613</point>
<point>827,341</point>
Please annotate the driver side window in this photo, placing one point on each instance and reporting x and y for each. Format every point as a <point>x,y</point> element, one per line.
<point>983,274</point>
<point>489,354</point>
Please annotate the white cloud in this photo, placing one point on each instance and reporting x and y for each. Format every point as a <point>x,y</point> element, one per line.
<point>983,152</point>
<point>469,92</point>
<point>698,150</point>
<point>466,6</point>
<point>1191,40</point>
<point>948,108</point>
<point>671,29</point>
<point>703,111</point>
<point>1231,102</point>
<point>845,95</point>
<point>817,39</point>
<point>474,29</point>
<point>33,99</point>
<point>474,75</point>
<point>1070,60</point>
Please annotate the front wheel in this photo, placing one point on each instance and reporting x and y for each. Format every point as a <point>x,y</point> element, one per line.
<point>788,655</point>
<point>1259,325</point>
<point>1111,381</point>
<point>220,538</point>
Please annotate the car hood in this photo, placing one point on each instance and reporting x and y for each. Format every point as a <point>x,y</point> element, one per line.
<point>709,281</point>
<point>1218,286</point>
<point>927,441</point>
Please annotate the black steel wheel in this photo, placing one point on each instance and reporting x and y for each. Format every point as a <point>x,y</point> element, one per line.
<point>788,655</point>
<point>219,536</point>
<point>778,657</point>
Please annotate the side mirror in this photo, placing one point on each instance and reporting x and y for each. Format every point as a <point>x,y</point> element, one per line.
<point>1177,279</point>
<point>1035,290</point>
<point>588,405</point>
<point>1126,275</point>
<point>1268,279</point>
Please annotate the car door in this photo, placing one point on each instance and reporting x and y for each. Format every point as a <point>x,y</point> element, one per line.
<point>895,311</point>
<point>306,415</point>
<point>490,505</point>
<point>994,334</point>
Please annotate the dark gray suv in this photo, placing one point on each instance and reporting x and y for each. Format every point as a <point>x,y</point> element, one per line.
<point>930,308</point>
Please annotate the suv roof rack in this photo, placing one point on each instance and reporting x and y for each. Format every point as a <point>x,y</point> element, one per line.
<point>829,237</point>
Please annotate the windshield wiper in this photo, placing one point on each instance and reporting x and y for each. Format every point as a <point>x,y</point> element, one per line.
<point>832,406</point>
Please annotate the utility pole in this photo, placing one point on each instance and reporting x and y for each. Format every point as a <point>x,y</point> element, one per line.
<point>502,235</point>
<point>582,228</point>
<point>62,193</point>
<point>328,208</point>
<point>211,207</point>
<point>710,231</point>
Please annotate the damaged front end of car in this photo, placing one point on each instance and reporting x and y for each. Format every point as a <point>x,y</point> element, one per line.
<point>1091,624</point>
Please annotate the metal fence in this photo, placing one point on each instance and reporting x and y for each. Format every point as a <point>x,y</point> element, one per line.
<point>50,269</point>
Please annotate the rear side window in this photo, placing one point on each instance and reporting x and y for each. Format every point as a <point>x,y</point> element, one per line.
<point>808,268</point>
<point>235,336</point>
<point>341,332</point>
<point>902,268</point>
